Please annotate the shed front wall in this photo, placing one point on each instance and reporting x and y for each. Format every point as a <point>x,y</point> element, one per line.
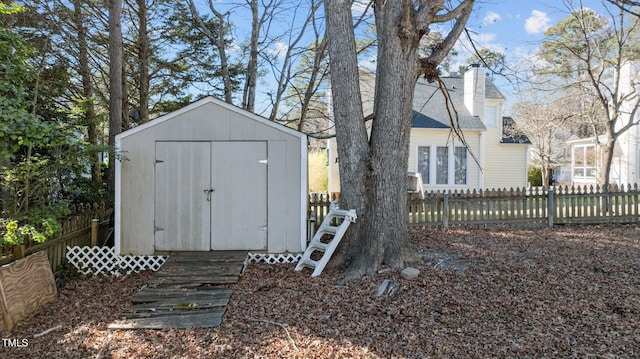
<point>211,122</point>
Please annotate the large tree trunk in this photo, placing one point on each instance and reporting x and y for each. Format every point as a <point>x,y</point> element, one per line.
<point>604,173</point>
<point>143,61</point>
<point>221,44</point>
<point>373,174</point>
<point>351,133</point>
<point>217,39</point>
<point>249,96</point>
<point>115,87</point>
<point>384,236</point>
<point>87,89</point>
<point>126,118</point>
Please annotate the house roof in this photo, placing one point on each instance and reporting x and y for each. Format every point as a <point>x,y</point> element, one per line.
<point>509,136</point>
<point>432,110</point>
<point>491,91</point>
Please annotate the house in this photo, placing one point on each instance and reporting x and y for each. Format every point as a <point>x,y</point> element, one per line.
<point>586,153</point>
<point>491,158</point>
<point>210,176</point>
<point>586,160</point>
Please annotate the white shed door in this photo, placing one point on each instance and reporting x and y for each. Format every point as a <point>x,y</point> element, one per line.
<point>182,210</point>
<point>231,217</point>
<point>239,203</point>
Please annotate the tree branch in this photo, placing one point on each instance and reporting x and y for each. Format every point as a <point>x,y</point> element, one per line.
<point>295,347</point>
<point>427,66</point>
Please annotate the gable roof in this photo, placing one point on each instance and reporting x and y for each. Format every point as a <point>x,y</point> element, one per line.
<point>431,109</point>
<point>208,101</point>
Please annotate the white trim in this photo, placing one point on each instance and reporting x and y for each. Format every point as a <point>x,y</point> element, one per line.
<point>429,183</point>
<point>425,182</point>
<point>480,164</point>
<point>467,154</point>
<point>118,199</point>
<point>207,100</point>
<point>602,139</point>
<point>304,193</point>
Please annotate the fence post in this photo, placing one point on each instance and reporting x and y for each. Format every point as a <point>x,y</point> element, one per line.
<point>550,206</point>
<point>311,225</point>
<point>94,232</point>
<point>445,211</point>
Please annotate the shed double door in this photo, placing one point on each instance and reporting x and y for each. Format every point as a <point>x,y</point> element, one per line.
<point>210,196</point>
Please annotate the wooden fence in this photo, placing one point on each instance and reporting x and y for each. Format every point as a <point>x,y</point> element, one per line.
<point>515,207</point>
<point>83,223</point>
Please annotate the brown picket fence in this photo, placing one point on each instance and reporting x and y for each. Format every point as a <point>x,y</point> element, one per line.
<point>519,207</point>
<point>76,230</point>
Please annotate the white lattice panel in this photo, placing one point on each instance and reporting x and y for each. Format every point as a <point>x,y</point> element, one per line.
<point>104,260</point>
<point>273,258</point>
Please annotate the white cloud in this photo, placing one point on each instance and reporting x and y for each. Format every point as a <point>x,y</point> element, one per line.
<point>280,49</point>
<point>359,7</point>
<point>537,23</point>
<point>491,18</point>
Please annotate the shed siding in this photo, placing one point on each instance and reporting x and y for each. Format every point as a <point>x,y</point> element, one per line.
<point>210,122</point>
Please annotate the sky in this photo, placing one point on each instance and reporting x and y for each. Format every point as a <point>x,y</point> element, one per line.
<point>515,28</point>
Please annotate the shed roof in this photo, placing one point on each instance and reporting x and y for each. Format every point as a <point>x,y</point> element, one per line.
<point>212,100</point>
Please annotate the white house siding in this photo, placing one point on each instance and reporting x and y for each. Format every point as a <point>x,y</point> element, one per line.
<point>629,164</point>
<point>624,164</point>
<point>425,137</point>
<point>441,138</point>
<point>210,120</point>
<point>625,168</point>
<point>505,164</point>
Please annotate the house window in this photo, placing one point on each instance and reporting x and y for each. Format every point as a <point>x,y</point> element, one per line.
<point>461,165</point>
<point>584,161</point>
<point>442,165</point>
<point>448,166</point>
<point>424,163</point>
<point>490,116</point>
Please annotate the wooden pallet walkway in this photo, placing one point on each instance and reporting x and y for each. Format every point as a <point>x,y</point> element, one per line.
<point>185,292</point>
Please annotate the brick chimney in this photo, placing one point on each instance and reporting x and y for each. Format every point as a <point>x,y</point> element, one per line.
<point>474,90</point>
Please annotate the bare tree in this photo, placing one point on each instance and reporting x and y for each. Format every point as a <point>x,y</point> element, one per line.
<point>630,6</point>
<point>546,126</point>
<point>285,73</point>
<point>595,53</point>
<point>219,41</point>
<point>373,171</point>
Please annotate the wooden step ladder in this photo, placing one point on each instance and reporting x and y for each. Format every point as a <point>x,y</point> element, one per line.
<point>327,247</point>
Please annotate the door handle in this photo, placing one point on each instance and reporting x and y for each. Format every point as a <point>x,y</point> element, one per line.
<point>208,193</point>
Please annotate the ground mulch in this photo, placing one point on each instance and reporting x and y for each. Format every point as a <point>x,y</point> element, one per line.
<point>566,292</point>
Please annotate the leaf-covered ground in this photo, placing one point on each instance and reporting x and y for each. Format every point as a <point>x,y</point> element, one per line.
<point>566,292</point>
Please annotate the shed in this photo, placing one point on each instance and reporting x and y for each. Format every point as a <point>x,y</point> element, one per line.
<point>210,176</point>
